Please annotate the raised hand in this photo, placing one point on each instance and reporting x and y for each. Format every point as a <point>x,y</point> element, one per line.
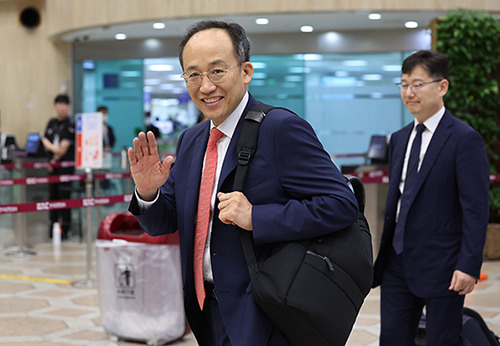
<point>148,172</point>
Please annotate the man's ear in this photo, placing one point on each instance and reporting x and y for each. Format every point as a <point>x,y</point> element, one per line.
<point>443,86</point>
<point>247,71</point>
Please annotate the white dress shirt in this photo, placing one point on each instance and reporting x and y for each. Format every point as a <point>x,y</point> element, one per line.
<point>431,125</point>
<point>227,128</point>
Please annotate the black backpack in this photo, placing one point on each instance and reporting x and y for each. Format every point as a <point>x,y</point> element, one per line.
<point>475,331</point>
<point>312,289</point>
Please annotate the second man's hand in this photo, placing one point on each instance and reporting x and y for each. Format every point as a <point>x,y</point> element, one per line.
<point>148,172</point>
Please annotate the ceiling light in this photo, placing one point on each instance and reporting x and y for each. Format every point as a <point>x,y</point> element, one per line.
<point>375,16</point>
<point>120,36</point>
<point>130,74</point>
<point>259,65</point>
<point>355,63</point>
<point>160,67</point>
<point>299,69</point>
<point>312,57</point>
<point>151,81</point>
<point>411,24</point>
<point>262,21</point>
<point>372,77</point>
<point>159,26</point>
<point>88,65</point>
<point>259,75</point>
<point>294,79</point>
<point>391,68</point>
<point>306,28</point>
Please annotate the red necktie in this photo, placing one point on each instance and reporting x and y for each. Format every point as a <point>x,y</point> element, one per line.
<point>203,216</point>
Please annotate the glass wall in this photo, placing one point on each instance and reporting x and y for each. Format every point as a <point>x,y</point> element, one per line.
<point>346,97</point>
<point>118,85</point>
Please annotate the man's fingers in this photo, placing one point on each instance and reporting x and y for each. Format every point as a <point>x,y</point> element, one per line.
<point>144,145</point>
<point>131,156</point>
<point>167,163</point>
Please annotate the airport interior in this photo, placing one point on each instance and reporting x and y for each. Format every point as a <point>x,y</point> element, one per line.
<point>333,63</point>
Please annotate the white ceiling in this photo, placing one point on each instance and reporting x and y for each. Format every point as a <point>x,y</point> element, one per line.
<point>167,84</point>
<point>278,23</point>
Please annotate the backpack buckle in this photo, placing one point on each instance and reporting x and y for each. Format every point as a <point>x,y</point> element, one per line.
<point>244,156</point>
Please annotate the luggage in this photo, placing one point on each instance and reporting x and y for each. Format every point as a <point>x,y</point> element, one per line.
<point>139,282</point>
<point>475,332</point>
<point>312,289</point>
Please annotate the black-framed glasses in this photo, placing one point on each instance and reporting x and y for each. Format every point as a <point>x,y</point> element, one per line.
<point>215,74</point>
<point>416,86</point>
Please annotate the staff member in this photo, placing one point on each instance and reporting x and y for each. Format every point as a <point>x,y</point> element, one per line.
<point>59,143</point>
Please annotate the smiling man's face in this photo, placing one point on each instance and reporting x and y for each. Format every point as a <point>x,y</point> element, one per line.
<point>206,50</point>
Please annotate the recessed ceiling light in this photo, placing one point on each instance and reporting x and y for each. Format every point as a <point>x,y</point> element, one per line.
<point>120,36</point>
<point>262,21</point>
<point>159,26</point>
<point>355,63</point>
<point>371,77</point>
<point>160,67</point>
<point>306,28</point>
<point>375,16</point>
<point>392,68</point>
<point>411,24</point>
<point>259,65</point>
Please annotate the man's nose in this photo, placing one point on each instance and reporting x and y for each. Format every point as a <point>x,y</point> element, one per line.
<point>206,82</point>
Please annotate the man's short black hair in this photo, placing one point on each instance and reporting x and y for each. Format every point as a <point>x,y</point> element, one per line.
<point>435,63</point>
<point>62,98</point>
<point>102,108</point>
<point>241,45</point>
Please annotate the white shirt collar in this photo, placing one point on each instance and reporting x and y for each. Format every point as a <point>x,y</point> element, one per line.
<point>432,123</point>
<point>228,126</point>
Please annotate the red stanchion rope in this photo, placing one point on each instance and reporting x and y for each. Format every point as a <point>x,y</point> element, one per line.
<point>64,204</point>
<point>381,177</point>
<point>64,178</point>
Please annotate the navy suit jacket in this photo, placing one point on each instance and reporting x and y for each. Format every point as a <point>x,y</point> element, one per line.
<point>446,224</point>
<point>296,192</point>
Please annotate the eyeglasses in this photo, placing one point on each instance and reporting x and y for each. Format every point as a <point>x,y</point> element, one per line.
<point>216,75</point>
<point>416,86</point>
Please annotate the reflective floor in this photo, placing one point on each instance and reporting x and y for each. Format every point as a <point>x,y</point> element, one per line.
<point>40,304</point>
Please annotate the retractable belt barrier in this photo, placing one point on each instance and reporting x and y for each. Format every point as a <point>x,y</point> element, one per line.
<point>63,178</point>
<point>382,177</point>
<point>27,165</point>
<point>64,204</point>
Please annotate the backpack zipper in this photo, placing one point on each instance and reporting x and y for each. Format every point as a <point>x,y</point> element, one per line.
<point>324,258</point>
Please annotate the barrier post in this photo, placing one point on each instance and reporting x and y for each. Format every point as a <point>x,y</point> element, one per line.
<point>88,282</point>
<point>20,218</point>
<point>125,167</point>
<point>97,193</point>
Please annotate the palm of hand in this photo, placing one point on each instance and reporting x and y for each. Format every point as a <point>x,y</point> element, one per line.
<point>148,172</point>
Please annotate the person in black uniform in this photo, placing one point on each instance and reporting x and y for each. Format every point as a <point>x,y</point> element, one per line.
<point>59,143</point>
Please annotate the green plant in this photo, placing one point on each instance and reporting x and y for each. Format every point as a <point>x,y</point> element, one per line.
<point>471,41</point>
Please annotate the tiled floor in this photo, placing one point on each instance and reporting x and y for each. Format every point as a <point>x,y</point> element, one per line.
<point>41,313</point>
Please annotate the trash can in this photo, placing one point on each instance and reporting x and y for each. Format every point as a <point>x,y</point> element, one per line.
<point>139,282</point>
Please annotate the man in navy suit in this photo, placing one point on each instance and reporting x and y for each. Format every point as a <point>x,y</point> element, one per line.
<point>435,226</point>
<point>292,190</point>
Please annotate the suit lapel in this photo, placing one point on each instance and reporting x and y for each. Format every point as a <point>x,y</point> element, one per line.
<point>396,168</point>
<point>439,138</point>
<point>198,152</point>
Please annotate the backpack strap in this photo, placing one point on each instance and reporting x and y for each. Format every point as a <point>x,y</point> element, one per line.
<point>359,191</point>
<point>247,142</point>
<point>246,148</point>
